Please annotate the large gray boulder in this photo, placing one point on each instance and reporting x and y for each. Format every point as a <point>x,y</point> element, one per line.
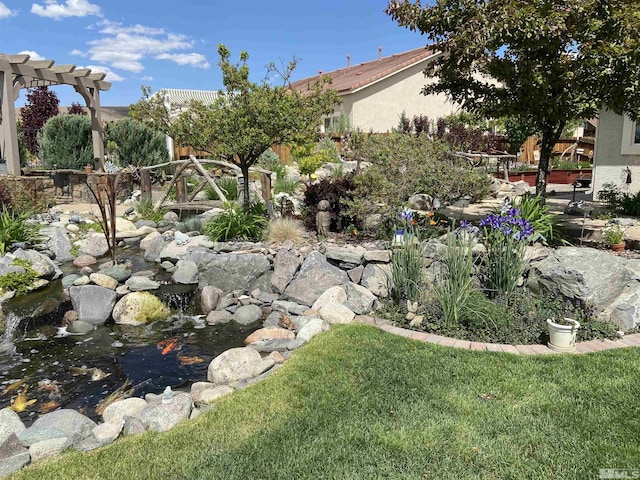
<point>43,265</point>
<point>94,304</point>
<point>316,276</point>
<point>237,364</point>
<point>58,242</point>
<point>13,455</point>
<point>174,252</point>
<point>209,298</point>
<point>161,417</point>
<point>230,271</point>
<point>359,299</point>
<point>132,407</point>
<point>347,254</point>
<point>247,314</point>
<point>285,266</point>
<point>75,426</point>
<point>9,423</point>
<point>589,276</point>
<point>141,284</point>
<point>48,448</point>
<point>376,278</point>
<point>186,272</point>
<point>94,245</point>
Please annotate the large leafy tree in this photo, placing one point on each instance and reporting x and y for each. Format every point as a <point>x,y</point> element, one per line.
<point>41,105</point>
<point>545,62</point>
<point>246,118</point>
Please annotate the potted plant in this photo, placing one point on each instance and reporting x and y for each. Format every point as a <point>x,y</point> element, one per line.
<point>613,235</point>
<point>562,334</point>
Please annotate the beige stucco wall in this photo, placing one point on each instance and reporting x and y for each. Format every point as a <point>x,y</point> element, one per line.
<point>609,162</point>
<point>378,107</point>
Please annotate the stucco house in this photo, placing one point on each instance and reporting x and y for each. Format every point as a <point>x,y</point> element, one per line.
<point>617,153</point>
<point>375,93</point>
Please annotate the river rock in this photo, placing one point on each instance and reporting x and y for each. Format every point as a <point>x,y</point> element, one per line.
<point>359,299</point>
<point>141,284</point>
<point>13,455</point>
<point>237,364</point>
<point>68,280</point>
<point>186,272</point>
<point>75,426</point>
<point>84,261</point>
<point>336,313</point>
<point>290,308</point>
<point>147,241</point>
<point>146,223</point>
<point>285,266</point>
<point>347,254</point>
<point>269,333</point>
<point>316,276</point>
<point>131,407</point>
<point>94,245</point>
<point>174,251</point>
<point>124,225</point>
<point>376,279</point>
<point>73,228</point>
<point>118,273</point>
<point>312,328</point>
<point>377,256</point>
<point>219,317</point>
<point>34,435</point>
<point>335,294</point>
<point>230,272</point>
<point>247,314</point>
<point>43,265</point>
<point>164,416</point>
<point>105,433</point>
<point>79,327</point>
<point>58,242</point>
<point>93,303</point>
<point>104,280</point>
<point>82,281</point>
<point>132,426</point>
<point>171,217</point>
<point>48,448</point>
<point>206,393</point>
<point>209,298</point>
<point>9,423</point>
<point>138,308</point>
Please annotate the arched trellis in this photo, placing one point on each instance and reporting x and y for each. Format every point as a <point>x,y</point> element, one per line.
<point>18,72</point>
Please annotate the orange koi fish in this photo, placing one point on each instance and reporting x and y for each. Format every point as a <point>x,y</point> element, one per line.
<point>189,360</point>
<point>48,407</point>
<point>169,345</point>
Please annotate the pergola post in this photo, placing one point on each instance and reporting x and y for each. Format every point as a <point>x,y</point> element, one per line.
<point>10,149</point>
<point>92,99</point>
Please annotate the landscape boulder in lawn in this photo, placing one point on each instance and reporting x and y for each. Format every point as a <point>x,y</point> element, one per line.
<point>237,364</point>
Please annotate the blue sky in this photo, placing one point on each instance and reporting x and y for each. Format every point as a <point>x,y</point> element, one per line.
<point>172,44</point>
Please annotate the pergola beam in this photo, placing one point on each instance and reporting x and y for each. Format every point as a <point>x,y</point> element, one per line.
<point>17,72</point>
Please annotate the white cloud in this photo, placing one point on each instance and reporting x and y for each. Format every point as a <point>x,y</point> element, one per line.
<point>111,75</point>
<point>124,47</point>
<point>70,8</point>
<point>77,52</point>
<point>5,11</point>
<point>194,59</point>
<point>32,55</point>
<point>146,78</point>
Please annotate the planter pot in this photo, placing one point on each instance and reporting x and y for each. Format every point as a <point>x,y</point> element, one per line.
<point>398,238</point>
<point>562,338</point>
<point>617,247</point>
<point>88,169</point>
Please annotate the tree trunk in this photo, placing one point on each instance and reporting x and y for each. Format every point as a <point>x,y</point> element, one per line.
<point>245,187</point>
<point>549,138</point>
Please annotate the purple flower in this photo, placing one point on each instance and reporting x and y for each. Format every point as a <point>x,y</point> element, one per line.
<point>407,215</point>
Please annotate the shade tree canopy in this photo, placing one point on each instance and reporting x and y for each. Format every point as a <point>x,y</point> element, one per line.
<point>542,62</point>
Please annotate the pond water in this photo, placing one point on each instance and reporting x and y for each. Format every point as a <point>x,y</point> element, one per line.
<point>78,371</point>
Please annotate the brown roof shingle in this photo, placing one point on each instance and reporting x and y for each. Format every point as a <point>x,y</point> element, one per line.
<point>346,80</point>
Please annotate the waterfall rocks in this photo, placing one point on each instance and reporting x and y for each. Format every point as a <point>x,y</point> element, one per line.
<point>94,304</point>
<point>138,308</point>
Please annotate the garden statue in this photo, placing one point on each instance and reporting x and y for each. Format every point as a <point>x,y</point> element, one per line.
<point>323,218</point>
<point>287,209</point>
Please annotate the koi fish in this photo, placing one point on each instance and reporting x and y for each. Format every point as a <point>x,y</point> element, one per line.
<point>48,407</point>
<point>169,345</point>
<point>14,386</point>
<point>189,360</point>
<point>20,403</point>
<point>96,373</point>
<point>46,385</point>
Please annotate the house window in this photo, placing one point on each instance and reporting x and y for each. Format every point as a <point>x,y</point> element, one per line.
<point>630,137</point>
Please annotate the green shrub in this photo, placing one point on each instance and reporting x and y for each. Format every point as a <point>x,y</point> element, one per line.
<point>270,160</point>
<point>544,223</point>
<point>228,185</point>
<point>65,141</point>
<point>285,185</point>
<point>18,282</point>
<point>336,191</point>
<point>136,143</point>
<point>407,262</point>
<point>327,147</point>
<point>148,211</point>
<point>234,223</point>
<point>15,228</point>
<point>309,164</point>
<point>5,197</point>
<point>611,195</point>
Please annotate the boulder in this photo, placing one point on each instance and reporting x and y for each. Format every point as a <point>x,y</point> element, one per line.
<point>186,272</point>
<point>104,280</point>
<point>285,266</point>
<point>315,277</point>
<point>138,308</point>
<point>124,225</point>
<point>84,261</point>
<point>348,254</point>
<point>421,201</point>
<point>269,333</point>
<point>219,317</point>
<point>205,393</point>
<point>132,426</point>
<point>312,328</point>
<point>75,426</point>
<point>118,273</point>
<point>7,266</point>
<point>48,448</point>
<point>13,455</point>
<point>335,294</point>
<point>175,251</point>
<point>247,314</point>
<point>43,265</point>
<point>290,308</point>
<point>355,274</point>
<point>377,256</point>
<point>68,280</point>
<point>94,245</point>
<point>131,407</point>
<point>171,217</point>
<point>376,279</point>
<point>209,298</point>
<point>336,313</point>
<point>164,416</point>
<point>58,242</point>
<point>147,241</point>
<point>80,327</point>
<point>231,271</point>
<point>141,284</point>
<point>359,299</point>
<point>9,423</point>
<point>93,303</point>
<point>237,364</point>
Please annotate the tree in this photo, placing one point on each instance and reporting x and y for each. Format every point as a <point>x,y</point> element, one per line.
<point>65,141</point>
<point>137,143</point>
<point>546,61</point>
<point>76,109</point>
<point>41,105</point>
<point>246,118</point>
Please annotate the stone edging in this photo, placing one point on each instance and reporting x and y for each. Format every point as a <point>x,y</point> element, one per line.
<point>590,346</point>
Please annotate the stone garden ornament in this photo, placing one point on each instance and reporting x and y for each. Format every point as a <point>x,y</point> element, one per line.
<point>323,218</point>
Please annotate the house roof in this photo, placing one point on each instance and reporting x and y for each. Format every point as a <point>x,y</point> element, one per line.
<point>177,96</point>
<point>350,79</point>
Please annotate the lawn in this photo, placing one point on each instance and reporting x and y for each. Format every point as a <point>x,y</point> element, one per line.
<point>361,403</point>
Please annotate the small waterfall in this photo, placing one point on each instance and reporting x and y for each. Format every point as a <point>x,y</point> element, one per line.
<point>11,324</point>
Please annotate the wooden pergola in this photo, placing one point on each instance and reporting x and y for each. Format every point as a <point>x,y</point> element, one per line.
<point>18,72</point>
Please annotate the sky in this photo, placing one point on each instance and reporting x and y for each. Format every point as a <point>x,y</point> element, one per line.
<point>173,44</point>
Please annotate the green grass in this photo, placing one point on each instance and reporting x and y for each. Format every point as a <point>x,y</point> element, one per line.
<point>360,403</point>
